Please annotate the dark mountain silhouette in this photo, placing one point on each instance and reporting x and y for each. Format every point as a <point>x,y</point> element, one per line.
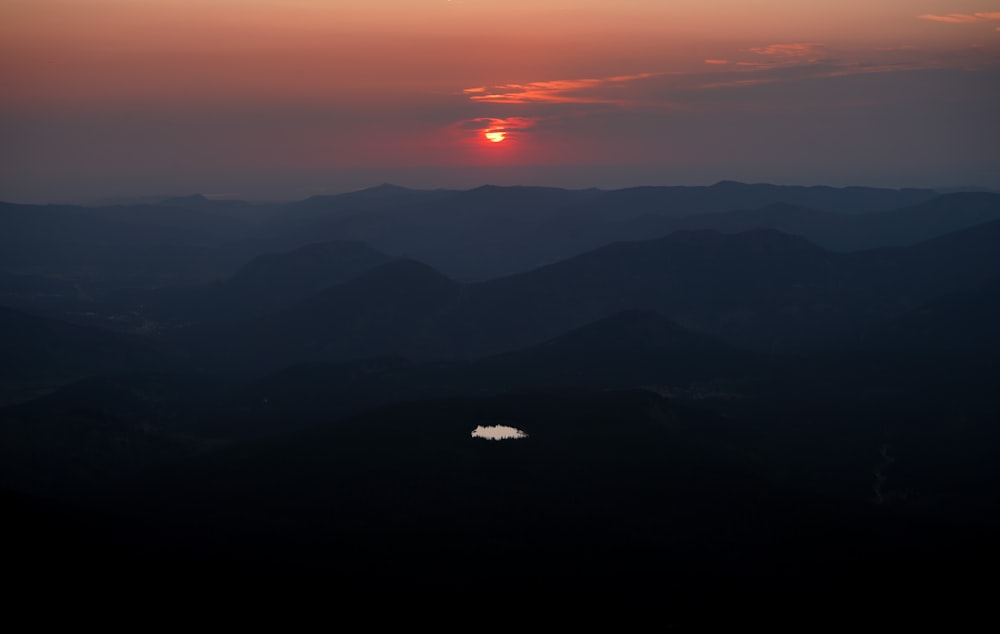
<point>936,217</point>
<point>37,348</point>
<point>385,311</point>
<point>960,322</point>
<point>761,289</point>
<point>470,234</point>
<point>380,197</point>
<point>941,356</point>
<point>728,195</point>
<point>277,278</point>
<point>328,218</point>
<point>197,215</point>
<point>838,231</point>
<point>93,251</point>
<point>81,436</point>
<point>265,284</point>
<point>606,493</point>
<point>489,231</point>
<point>633,349</point>
<point>629,349</point>
<point>728,285</point>
<point>752,406</point>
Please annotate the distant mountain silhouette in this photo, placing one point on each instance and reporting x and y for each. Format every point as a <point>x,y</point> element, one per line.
<point>38,348</point>
<point>380,197</point>
<point>729,393</point>
<point>330,217</point>
<point>838,231</point>
<point>104,249</point>
<point>679,201</point>
<point>275,278</point>
<point>265,284</point>
<point>632,349</point>
<point>946,351</point>
<point>726,285</point>
<point>629,349</point>
<point>470,235</point>
<point>760,289</point>
<point>967,321</point>
<point>85,434</point>
<point>490,231</point>
<point>385,311</point>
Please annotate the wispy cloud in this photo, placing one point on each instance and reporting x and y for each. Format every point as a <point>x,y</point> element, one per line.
<point>951,18</point>
<point>795,49</point>
<point>564,91</point>
<point>738,82</point>
<point>962,18</point>
<point>769,77</point>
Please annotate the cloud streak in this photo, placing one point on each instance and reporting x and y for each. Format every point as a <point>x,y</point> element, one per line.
<point>795,49</point>
<point>783,77</point>
<point>962,18</point>
<point>561,91</point>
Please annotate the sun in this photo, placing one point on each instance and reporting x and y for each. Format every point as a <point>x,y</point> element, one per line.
<point>495,136</point>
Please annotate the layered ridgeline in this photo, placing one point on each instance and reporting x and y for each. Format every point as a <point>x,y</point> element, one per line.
<point>760,289</point>
<point>267,282</point>
<point>74,251</point>
<point>756,389</point>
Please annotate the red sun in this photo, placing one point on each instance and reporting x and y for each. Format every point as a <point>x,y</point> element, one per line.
<point>495,136</point>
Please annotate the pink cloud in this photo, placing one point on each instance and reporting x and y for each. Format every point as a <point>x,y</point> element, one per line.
<point>738,82</point>
<point>796,49</point>
<point>585,91</point>
<point>962,18</point>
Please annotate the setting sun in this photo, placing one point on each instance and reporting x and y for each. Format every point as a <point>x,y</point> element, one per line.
<point>496,130</point>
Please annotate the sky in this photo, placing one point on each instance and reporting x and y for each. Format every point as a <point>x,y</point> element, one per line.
<point>285,99</point>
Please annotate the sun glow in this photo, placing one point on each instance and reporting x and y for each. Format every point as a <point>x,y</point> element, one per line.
<point>493,131</point>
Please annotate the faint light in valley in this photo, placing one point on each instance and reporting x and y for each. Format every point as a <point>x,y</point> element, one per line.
<point>498,432</point>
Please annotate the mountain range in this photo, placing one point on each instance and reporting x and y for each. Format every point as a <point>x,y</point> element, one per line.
<point>724,393</point>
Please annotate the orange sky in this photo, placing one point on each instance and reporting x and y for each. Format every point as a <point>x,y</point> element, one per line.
<point>104,96</point>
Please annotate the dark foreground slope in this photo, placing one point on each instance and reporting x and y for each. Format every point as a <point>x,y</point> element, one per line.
<point>611,495</point>
<point>34,348</point>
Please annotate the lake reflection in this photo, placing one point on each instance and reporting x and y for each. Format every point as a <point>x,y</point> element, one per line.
<point>498,432</point>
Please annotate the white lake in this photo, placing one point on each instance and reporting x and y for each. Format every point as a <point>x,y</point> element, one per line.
<point>498,432</point>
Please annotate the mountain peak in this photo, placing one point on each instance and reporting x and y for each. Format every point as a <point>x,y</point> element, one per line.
<point>387,188</point>
<point>404,270</point>
<point>185,200</point>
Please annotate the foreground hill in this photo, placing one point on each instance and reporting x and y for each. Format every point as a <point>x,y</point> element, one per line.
<point>615,494</point>
<point>633,349</point>
<point>629,349</point>
<point>34,348</point>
